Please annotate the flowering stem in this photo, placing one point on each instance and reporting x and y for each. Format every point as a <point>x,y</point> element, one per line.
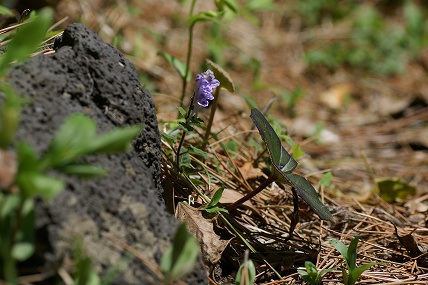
<point>190,113</point>
<point>211,119</point>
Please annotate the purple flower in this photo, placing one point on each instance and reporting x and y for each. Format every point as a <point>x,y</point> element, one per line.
<point>204,86</point>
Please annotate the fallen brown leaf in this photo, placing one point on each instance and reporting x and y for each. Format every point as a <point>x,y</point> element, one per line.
<point>211,245</point>
<point>409,242</point>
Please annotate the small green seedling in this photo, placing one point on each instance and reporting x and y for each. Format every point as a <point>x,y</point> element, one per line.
<point>180,258</point>
<point>352,273</point>
<point>246,272</point>
<point>283,166</point>
<point>212,206</point>
<point>311,274</point>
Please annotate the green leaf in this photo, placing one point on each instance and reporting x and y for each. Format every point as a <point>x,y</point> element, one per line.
<point>308,194</point>
<point>221,75</point>
<point>72,140</point>
<point>184,158</point>
<point>205,17</point>
<point>8,204</point>
<point>27,158</point>
<point>84,273</point>
<point>197,151</point>
<point>394,189</point>
<point>185,127</point>
<point>340,248</point>
<point>6,11</point>
<point>228,3</point>
<point>26,39</point>
<point>180,258</point>
<point>182,112</point>
<point>212,207</point>
<point>10,114</point>
<point>251,274</point>
<point>284,164</point>
<point>215,209</point>
<point>351,259</point>
<point>21,251</point>
<point>356,273</point>
<point>41,185</point>
<point>279,156</point>
<point>83,170</point>
<point>170,139</point>
<point>116,140</point>
<point>297,151</point>
<point>250,102</point>
<point>311,269</point>
<point>215,199</point>
<point>30,180</point>
<point>326,179</point>
<point>178,65</point>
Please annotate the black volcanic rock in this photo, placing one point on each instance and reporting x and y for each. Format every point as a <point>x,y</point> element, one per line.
<point>86,75</point>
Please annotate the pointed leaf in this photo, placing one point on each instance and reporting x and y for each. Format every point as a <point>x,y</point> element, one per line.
<point>280,158</point>
<point>355,273</point>
<point>326,179</point>
<point>215,199</point>
<point>83,170</point>
<point>297,151</point>
<point>340,247</point>
<point>178,65</point>
<point>6,11</point>
<point>248,277</point>
<point>352,254</point>
<point>26,39</point>
<point>74,136</point>
<point>308,194</point>
<point>116,140</point>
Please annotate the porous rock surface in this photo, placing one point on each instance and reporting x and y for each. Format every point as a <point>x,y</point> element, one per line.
<point>86,75</point>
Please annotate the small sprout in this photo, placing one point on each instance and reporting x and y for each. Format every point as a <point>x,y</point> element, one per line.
<point>351,275</point>
<point>246,272</point>
<point>180,258</point>
<point>311,274</point>
<point>212,207</point>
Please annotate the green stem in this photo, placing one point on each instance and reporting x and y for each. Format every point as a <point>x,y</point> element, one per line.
<point>211,119</point>
<point>189,53</point>
<point>250,195</point>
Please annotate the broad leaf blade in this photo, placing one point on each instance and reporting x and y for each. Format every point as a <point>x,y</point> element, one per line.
<point>281,159</point>
<point>307,192</point>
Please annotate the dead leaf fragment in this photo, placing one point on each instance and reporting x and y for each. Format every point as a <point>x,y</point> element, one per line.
<point>409,242</point>
<point>211,245</point>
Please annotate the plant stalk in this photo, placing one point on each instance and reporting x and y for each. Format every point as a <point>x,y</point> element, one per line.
<point>250,195</point>
<point>211,119</point>
<point>189,54</point>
